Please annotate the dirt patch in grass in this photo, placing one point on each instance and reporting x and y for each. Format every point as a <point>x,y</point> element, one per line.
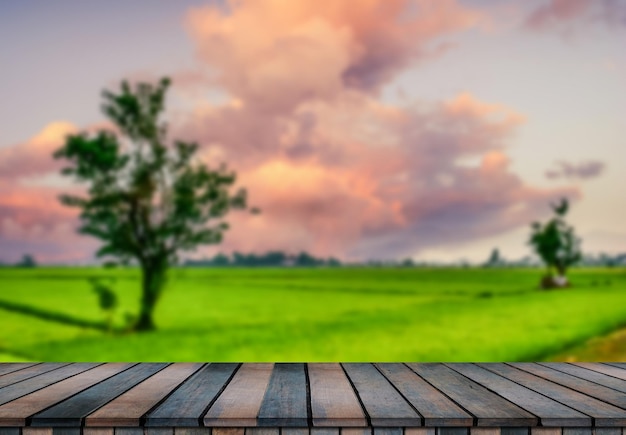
<point>610,347</point>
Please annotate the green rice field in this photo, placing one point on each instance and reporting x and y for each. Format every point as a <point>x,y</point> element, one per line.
<point>291,314</point>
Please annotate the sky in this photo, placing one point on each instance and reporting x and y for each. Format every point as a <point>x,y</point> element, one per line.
<point>377,129</point>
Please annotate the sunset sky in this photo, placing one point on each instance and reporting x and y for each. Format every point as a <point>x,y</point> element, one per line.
<point>363,129</point>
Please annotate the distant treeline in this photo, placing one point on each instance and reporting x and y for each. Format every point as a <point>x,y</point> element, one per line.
<point>269,259</point>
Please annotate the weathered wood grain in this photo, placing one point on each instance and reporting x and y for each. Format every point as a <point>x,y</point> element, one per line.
<point>14,391</point>
<point>550,412</point>
<point>240,402</point>
<point>612,371</point>
<point>29,372</point>
<point>128,408</point>
<point>603,413</point>
<point>586,387</point>
<point>589,375</point>
<point>437,409</point>
<point>333,401</point>
<point>185,406</point>
<point>285,400</point>
<point>488,408</point>
<point>13,367</point>
<point>71,412</point>
<point>15,412</point>
<point>383,404</point>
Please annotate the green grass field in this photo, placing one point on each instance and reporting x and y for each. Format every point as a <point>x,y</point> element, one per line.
<point>344,314</point>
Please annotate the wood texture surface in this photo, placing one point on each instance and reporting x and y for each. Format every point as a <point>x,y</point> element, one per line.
<point>313,399</point>
<point>434,406</point>
<point>603,413</point>
<point>240,402</point>
<point>383,404</point>
<point>285,400</point>
<point>489,408</point>
<point>333,401</point>
<point>186,405</point>
<point>551,412</point>
<point>127,409</point>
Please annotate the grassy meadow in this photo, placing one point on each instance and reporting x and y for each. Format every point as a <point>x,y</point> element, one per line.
<point>334,314</point>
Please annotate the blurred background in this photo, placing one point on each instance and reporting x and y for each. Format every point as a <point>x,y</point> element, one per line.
<point>399,151</point>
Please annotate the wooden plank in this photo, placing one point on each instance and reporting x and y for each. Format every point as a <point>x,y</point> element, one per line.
<point>65,431</point>
<point>545,431</point>
<point>297,431</point>
<point>437,409</point>
<point>612,371</point>
<point>13,367</point>
<point>333,401</point>
<point>589,388</point>
<point>185,406</point>
<point>192,431</point>
<point>603,413</point>
<point>29,372</point>
<point>10,431</point>
<point>550,412</point>
<point>14,391</point>
<point>387,431</point>
<point>417,431</point>
<point>36,431</point>
<point>366,431</point>
<point>262,431</point>
<point>285,403</point>
<point>240,402</point>
<point>228,431</point>
<point>98,431</point>
<point>616,364</point>
<point>577,431</point>
<point>488,408</point>
<point>383,404</point>
<point>17,411</point>
<point>589,375</point>
<point>607,431</point>
<point>453,430</point>
<point>128,408</point>
<point>71,412</point>
<point>485,431</point>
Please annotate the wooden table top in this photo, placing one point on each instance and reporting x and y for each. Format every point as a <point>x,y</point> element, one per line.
<point>313,395</point>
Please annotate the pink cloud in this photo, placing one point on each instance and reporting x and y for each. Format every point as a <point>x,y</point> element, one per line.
<point>278,53</point>
<point>558,14</point>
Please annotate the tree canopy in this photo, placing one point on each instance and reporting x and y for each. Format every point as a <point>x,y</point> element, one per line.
<point>146,201</point>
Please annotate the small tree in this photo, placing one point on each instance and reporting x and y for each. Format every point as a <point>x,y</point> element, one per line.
<point>146,201</point>
<point>557,245</point>
<point>27,261</point>
<point>494,258</point>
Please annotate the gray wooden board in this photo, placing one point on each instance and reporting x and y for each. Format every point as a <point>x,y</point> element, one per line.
<point>239,403</point>
<point>617,364</point>
<point>586,387</point>
<point>383,404</point>
<point>614,372</point>
<point>71,412</point>
<point>550,412</point>
<point>29,372</point>
<point>185,406</point>
<point>488,408</point>
<point>13,367</point>
<point>35,383</point>
<point>603,413</point>
<point>128,408</point>
<point>436,408</point>
<point>17,411</point>
<point>589,375</point>
<point>333,401</point>
<point>285,400</point>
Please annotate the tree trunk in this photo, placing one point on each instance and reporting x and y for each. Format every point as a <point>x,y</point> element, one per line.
<point>153,280</point>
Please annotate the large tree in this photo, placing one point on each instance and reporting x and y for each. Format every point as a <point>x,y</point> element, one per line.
<point>146,201</point>
<point>557,245</point>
